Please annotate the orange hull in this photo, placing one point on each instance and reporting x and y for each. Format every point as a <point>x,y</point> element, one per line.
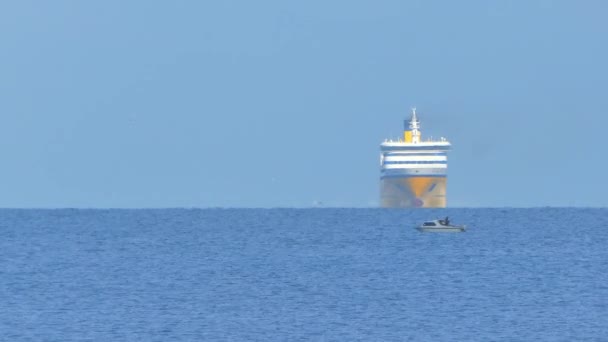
<point>413,192</point>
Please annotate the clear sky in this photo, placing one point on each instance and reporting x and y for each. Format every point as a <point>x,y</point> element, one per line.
<point>284,103</point>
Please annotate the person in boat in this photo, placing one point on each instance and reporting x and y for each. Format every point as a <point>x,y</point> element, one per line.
<point>446,221</point>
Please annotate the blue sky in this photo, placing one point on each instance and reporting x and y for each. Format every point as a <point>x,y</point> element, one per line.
<point>285,103</point>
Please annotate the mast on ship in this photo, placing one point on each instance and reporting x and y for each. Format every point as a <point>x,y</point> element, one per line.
<point>412,135</point>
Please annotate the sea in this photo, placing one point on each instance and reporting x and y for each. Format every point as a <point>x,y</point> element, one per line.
<point>323,274</point>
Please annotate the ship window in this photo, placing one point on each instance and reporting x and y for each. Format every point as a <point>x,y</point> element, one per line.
<point>429,224</point>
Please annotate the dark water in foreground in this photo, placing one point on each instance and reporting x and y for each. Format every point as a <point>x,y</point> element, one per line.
<point>309,275</point>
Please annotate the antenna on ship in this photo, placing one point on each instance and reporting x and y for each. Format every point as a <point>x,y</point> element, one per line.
<point>413,135</point>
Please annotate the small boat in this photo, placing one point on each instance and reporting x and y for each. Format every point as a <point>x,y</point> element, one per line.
<point>440,226</point>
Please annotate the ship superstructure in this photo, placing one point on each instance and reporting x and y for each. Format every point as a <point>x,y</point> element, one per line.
<point>413,172</point>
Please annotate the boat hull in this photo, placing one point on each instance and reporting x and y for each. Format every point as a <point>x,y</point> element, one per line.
<point>441,229</point>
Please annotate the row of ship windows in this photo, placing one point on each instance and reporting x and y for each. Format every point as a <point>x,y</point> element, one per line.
<point>417,162</point>
<point>414,154</point>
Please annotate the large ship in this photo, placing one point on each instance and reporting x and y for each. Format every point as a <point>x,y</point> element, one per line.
<point>413,172</point>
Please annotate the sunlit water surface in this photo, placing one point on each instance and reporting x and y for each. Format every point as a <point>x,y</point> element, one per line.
<point>303,274</point>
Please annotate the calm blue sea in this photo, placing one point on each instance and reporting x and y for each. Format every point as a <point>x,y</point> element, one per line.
<point>303,275</point>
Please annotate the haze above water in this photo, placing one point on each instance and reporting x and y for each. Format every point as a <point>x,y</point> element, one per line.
<point>284,104</point>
